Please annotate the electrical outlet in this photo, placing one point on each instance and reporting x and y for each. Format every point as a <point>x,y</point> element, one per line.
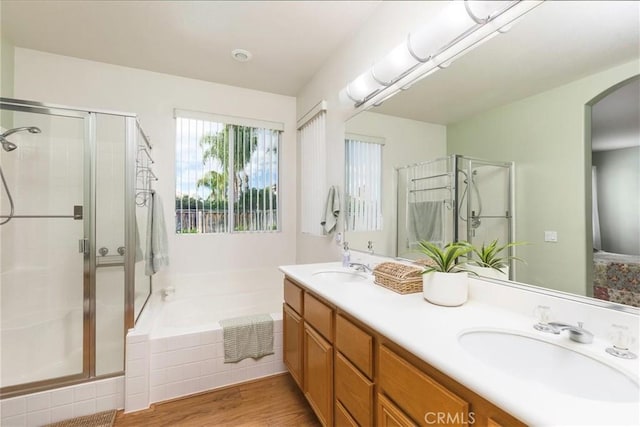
<point>551,236</point>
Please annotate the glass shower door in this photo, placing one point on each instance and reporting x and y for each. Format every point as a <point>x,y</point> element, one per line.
<point>45,278</point>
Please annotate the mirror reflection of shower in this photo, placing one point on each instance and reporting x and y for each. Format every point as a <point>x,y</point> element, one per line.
<point>475,214</point>
<point>9,146</point>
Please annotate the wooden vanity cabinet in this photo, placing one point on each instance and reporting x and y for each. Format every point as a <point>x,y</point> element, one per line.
<point>293,327</point>
<point>318,374</point>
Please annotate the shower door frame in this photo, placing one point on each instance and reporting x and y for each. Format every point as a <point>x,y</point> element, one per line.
<point>89,229</point>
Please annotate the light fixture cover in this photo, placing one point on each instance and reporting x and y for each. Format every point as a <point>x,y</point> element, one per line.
<point>241,55</point>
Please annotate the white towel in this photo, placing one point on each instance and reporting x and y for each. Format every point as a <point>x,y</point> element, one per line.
<point>331,211</point>
<point>157,253</point>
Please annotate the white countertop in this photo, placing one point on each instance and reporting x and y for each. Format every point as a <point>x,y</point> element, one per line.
<point>431,333</point>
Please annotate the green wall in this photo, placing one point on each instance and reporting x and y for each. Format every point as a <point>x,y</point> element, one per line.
<point>6,67</point>
<point>545,136</point>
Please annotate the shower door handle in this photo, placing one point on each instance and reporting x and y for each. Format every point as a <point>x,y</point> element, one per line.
<point>83,246</point>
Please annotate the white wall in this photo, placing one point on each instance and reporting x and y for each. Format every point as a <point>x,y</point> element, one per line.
<point>201,258</point>
<point>406,142</point>
<point>388,26</point>
<point>545,136</point>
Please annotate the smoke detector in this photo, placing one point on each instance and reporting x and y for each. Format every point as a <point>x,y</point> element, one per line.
<point>241,55</point>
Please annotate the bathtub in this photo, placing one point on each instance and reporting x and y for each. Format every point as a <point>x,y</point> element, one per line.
<point>182,352</point>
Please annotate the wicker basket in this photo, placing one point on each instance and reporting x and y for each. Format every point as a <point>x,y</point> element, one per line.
<point>400,278</point>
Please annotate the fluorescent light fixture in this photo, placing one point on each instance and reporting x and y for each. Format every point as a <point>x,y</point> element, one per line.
<point>459,27</point>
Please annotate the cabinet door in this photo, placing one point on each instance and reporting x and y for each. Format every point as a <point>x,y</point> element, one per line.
<point>354,391</point>
<point>318,374</point>
<point>389,415</point>
<point>292,342</point>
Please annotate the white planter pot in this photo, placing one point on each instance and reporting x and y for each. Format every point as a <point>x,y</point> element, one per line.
<point>491,273</point>
<point>447,289</point>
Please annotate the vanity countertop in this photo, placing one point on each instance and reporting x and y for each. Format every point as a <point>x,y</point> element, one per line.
<point>431,333</point>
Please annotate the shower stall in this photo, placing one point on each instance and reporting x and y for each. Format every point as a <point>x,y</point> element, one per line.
<point>451,199</point>
<point>74,185</point>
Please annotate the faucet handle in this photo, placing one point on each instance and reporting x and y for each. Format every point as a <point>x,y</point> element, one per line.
<point>621,340</point>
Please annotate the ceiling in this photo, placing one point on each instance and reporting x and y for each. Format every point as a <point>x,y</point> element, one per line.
<point>556,43</point>
<point>289,40</point>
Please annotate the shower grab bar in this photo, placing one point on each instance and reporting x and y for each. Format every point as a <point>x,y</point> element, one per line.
<point>145,151</point>
<point>429,177</point>
<point>77,214</point>
<point>447,187</point>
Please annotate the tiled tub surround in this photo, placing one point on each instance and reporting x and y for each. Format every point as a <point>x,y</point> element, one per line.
<point>431,333</point>
<point>63,403</point>
<point>177,348</point>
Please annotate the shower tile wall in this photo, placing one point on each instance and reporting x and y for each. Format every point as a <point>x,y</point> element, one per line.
<point>61,404</point>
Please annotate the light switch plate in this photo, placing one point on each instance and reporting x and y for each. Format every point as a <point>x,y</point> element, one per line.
<point>550,236</point>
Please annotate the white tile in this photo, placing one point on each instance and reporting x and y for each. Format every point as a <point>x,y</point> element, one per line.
<point>192,386</point>
<point>208,337</point>
<point>136,351</point>
<point>84,408</point>
<point>136,385</point>
<point>157,394</point>
<point>191,370</point>
<point>61,413</point>
<point>239,375</point>
<point>106,403</point>
<point>223,367</point>
<point>137,402</point>
<point>277,340</point>
<point>120,383</point>
<point>137,338</point>
<point>38,418</point>
<point>38,402</point>
<point>17,421</point>
<point>105,388</point>
<point>190,355</point>
<point>157,377</point>
<point>174,374</point>
<point>120,400</point>
<point>208,351</point>
<point>12,407</point>
<point>158,361</point>
<point>218,334</point>
<point>208,382</point>
<point>183,341</point>
<point>277,326</point>
<point>208,367</point>
<point>136,368</point>
<point>61,397</point>
<point>158,345</point>
<point>223,379</point>
<point>174,390</point>
<point>84,392</point>
<point>174,358</point>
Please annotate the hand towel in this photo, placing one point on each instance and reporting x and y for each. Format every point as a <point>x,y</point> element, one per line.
<point>247,336</point>
<point>331,211</point>
<point>157,254</point>
<point>426,222</point>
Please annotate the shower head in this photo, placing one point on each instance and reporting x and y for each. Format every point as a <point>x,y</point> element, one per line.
<point>10,146</point>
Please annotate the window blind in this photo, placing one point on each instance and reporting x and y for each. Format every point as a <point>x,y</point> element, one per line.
<point>363,184</point>
<point>312,142</point>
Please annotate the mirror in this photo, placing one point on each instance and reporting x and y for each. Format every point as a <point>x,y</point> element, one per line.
<point>530,105</point>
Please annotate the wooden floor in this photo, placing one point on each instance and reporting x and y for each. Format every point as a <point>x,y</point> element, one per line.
<point>274,401</point>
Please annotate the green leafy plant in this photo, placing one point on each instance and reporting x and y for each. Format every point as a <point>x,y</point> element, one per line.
<point>445,260</point>
<point>491,255</point>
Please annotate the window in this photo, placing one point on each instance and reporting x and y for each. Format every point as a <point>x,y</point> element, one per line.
<point>226,174</point>
<point>363,160</point>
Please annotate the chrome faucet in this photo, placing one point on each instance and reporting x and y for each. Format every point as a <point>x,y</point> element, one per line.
<point>361,267</point>
<point>576,333</point>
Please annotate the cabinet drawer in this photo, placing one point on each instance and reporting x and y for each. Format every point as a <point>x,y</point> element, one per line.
<point>353,391</point>
<point>416,393</point>
<point>293,296</point>
<point>355,344</point>
<point>390,416</point>
<point>342,418</point>
<point>319,315</point>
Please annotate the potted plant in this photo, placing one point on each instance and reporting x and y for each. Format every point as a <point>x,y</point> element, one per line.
<point>445,278</point>
<point>489,260</point>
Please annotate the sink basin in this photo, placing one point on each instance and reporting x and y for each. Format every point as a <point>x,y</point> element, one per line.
<point>555,366</point>
<point>340,275</point>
